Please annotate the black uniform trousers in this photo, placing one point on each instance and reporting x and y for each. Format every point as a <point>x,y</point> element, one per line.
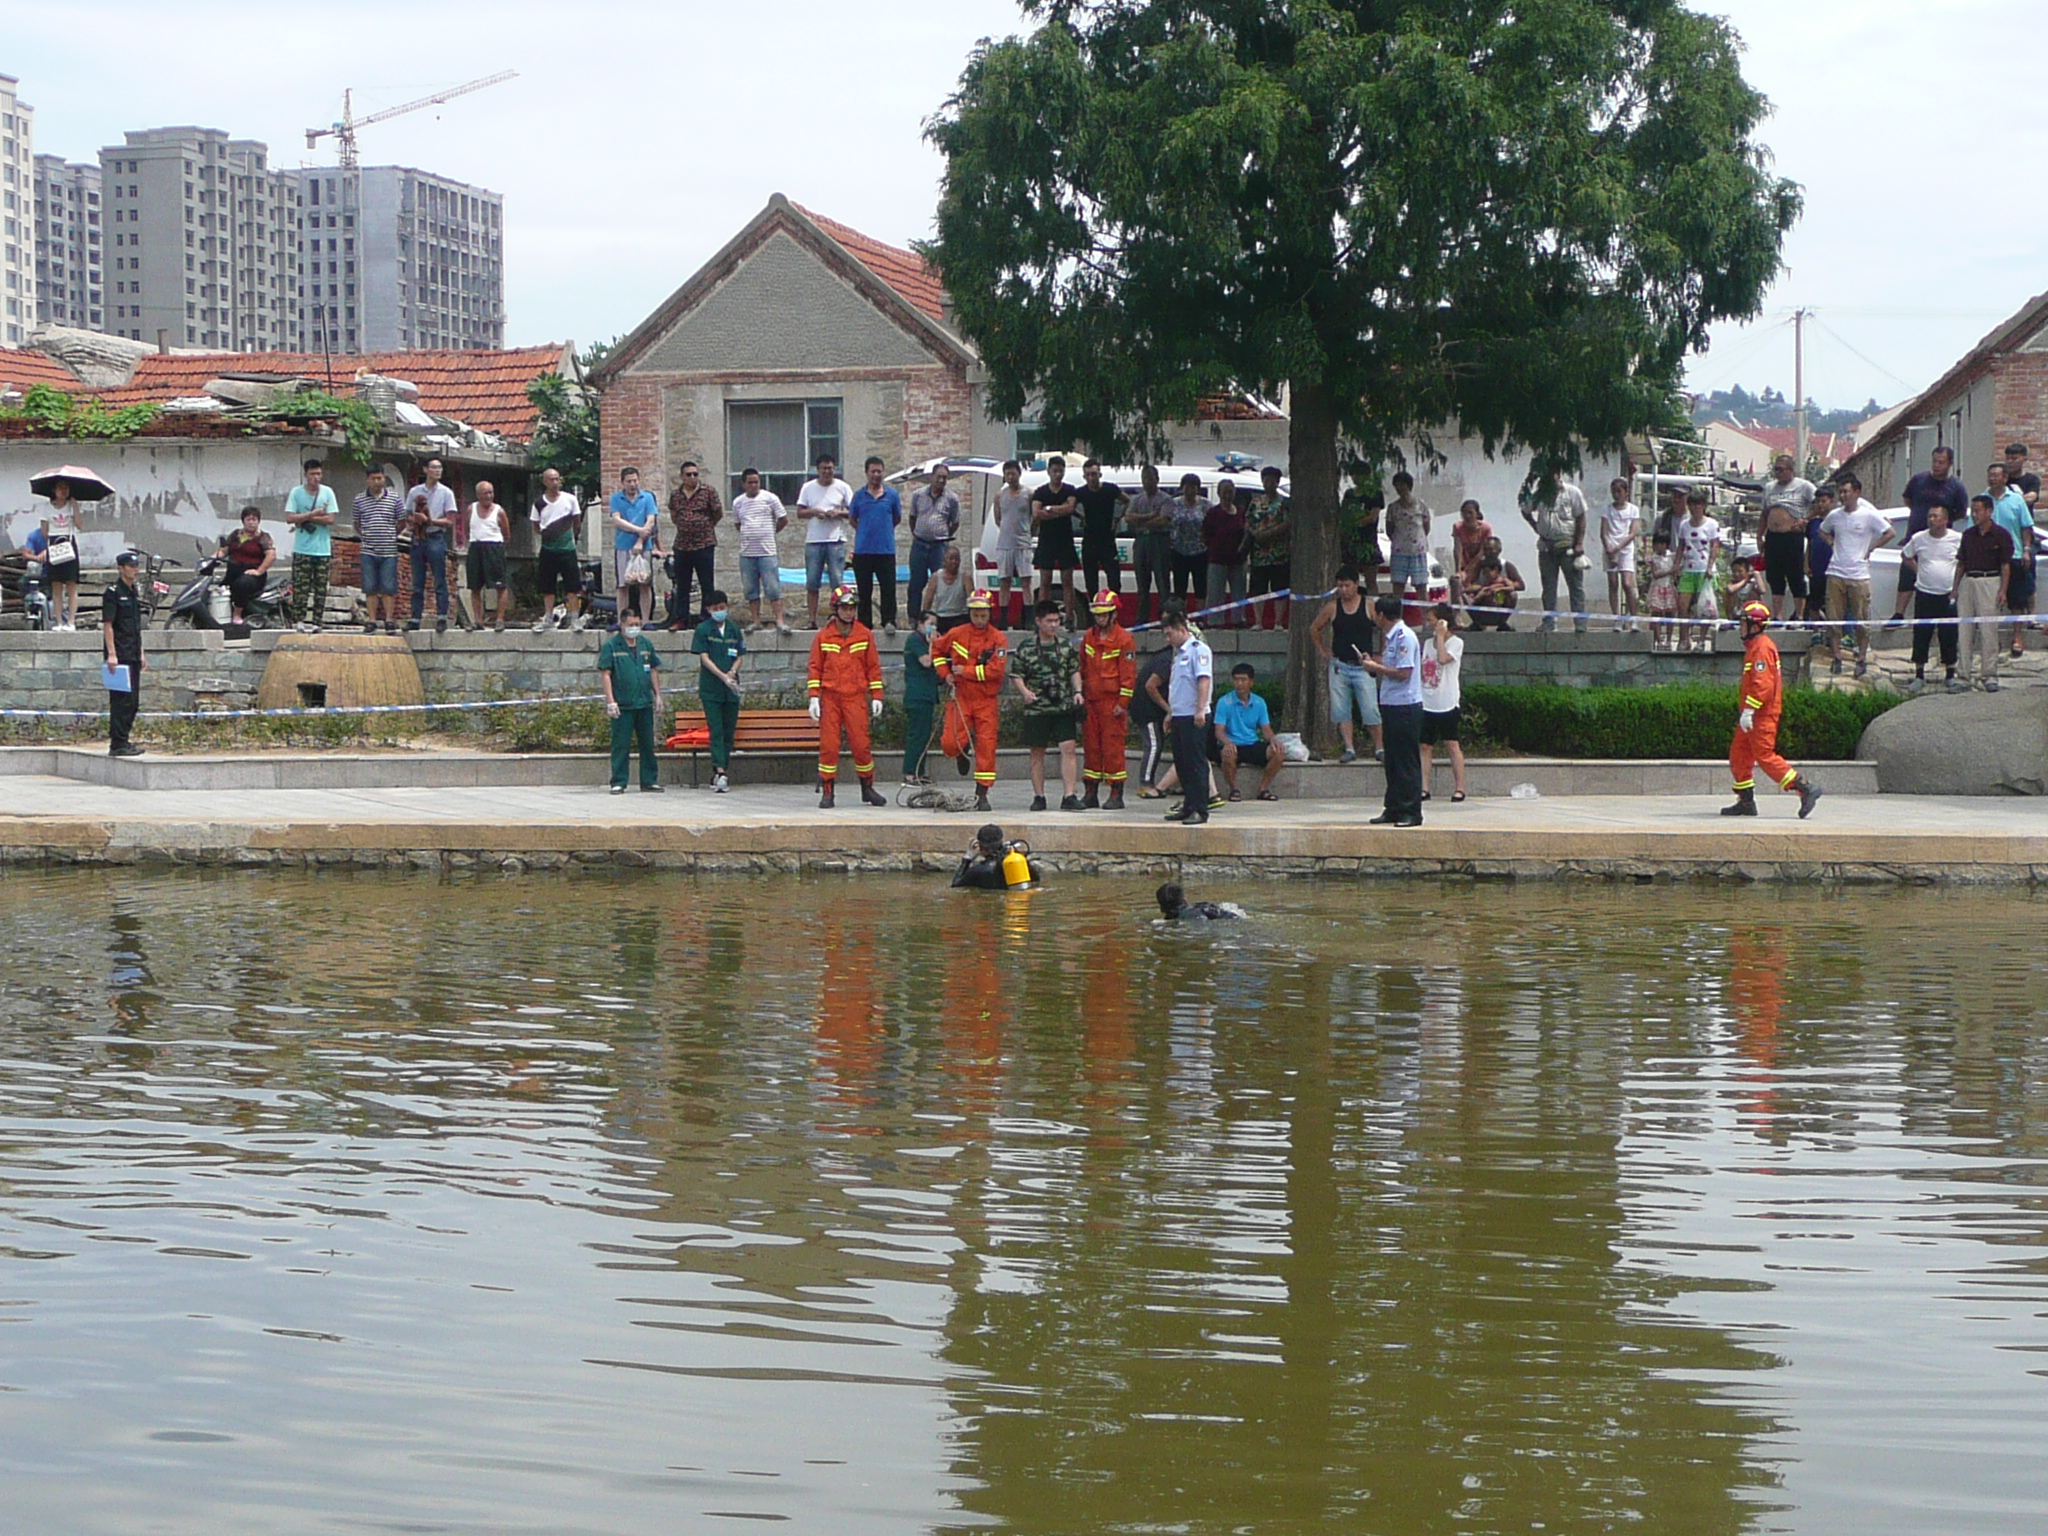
<point>1401,726</point>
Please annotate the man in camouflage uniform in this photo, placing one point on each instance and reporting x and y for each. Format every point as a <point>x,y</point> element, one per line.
<point>1047,671</point>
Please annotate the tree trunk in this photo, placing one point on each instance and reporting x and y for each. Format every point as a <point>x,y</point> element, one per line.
<point>1313,494</point>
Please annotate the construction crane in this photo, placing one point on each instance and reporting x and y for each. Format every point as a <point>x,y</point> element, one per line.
<point>344,132</point>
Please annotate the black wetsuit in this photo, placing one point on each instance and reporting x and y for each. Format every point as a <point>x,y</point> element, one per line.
<point>1202,909</point>
<point>977,872</point>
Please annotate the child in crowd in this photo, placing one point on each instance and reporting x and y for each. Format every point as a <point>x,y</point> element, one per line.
<point>1744,585</point>
<point>1662,597</point>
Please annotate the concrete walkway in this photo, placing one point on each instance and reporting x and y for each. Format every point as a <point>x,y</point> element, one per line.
<point>776,827</point>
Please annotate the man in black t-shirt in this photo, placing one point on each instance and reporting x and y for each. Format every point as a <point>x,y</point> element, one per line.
<point>1052,520</point>
<point>2018,476</point>
<point>1101,507</point>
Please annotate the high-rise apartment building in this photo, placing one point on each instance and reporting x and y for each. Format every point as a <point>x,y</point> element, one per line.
<point>70,256</point>
<point>400,258</point>
<point>17,215</point>
<point>203,241</point>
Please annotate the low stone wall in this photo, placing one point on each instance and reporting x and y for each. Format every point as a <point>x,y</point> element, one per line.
<point>198,669</point>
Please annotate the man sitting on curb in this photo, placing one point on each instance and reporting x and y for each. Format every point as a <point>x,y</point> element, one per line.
<point>1244,733</point>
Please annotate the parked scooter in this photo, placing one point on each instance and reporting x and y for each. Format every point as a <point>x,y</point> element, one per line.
<point>35,602</point>
<point>206,603</point>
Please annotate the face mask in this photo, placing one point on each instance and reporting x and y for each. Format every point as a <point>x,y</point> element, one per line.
<point>631,631</point>
<point>718,616</point>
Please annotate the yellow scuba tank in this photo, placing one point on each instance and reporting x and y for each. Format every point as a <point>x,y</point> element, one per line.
<point>1017,866</point>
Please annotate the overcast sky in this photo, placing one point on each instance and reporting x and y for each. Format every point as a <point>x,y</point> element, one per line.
<point>642,133</point>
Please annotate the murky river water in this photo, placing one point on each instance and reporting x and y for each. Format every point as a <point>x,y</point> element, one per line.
<point>632,1204</point>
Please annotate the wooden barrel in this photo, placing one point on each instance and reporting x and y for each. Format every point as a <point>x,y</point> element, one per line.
<point>308,671</point>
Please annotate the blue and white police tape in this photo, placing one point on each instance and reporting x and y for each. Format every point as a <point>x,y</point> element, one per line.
<point>1199,614</point>
<point>303,712</point>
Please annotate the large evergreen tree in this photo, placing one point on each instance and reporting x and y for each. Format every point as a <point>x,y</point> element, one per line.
<point>1513,217</point>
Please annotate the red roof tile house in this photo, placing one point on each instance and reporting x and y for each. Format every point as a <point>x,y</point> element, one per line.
<point>800,337</point>
<point>186,475</point>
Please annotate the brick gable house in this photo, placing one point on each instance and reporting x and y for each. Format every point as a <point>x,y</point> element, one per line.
<point>801,336</point>
<point>1997,394</point>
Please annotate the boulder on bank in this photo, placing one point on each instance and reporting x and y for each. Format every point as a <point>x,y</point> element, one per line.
<point>1962,744</point>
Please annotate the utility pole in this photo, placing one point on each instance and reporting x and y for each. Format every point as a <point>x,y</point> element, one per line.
<point>1799,390</point>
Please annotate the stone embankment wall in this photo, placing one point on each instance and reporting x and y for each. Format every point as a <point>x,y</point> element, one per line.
<point>198,669</point>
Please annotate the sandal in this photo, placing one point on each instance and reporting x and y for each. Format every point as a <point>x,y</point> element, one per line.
<point>1425,794</point>
<point>1235,797</point>
<point>1457,795</point>
<point>2018,651</point>
<point>1149,793</point>
<point>1267,794</point>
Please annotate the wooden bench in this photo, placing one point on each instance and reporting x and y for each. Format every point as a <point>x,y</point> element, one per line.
<point>758,730</point>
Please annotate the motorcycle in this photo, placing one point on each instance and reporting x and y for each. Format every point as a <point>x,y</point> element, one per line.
<point>35,602</point>
<point>207,604</point>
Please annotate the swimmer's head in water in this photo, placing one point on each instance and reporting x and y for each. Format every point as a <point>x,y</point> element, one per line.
<point>990,838</point>
<point>1171,899</point>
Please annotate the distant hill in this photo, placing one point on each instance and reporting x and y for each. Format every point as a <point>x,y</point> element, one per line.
<point>1772,409</point>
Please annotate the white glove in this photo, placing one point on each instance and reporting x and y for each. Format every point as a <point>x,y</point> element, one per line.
<point>817,713</point>
<point>612,709</point>
<point>1748,719</point>
<point>875,709</point>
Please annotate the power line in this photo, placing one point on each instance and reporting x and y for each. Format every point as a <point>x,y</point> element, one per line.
<point>1880,367</point>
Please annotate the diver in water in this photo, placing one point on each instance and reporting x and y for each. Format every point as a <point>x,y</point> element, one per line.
<point>993,864</point>
<point>1175,907</point>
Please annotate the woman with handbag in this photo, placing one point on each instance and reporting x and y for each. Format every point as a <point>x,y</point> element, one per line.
<point>60,527</point>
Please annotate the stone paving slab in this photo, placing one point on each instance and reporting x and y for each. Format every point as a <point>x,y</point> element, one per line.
<point>1608,837</point>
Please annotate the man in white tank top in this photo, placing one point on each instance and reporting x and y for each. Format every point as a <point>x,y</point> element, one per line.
<point>488,529</point>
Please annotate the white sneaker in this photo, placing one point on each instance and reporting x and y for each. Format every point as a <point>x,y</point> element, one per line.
<point>576,624</point>
<point>718,784</point>
<point>543,624</point>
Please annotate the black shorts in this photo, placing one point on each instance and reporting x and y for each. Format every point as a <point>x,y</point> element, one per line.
<point>61,575</point>
<point>2019,591</point>
<point>486,566</point>
<point>1253,756</point>
<point>558,571</point>
<point>1047,730</point>
<point>1439,727</point>
<point>1785,563</point>
<point>1056,553</point>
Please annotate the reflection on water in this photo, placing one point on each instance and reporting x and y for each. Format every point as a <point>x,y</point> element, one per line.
<point>615,1205</point>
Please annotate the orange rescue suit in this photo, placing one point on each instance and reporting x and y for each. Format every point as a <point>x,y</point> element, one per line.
<point>975,662</point>
<point>1762,690</point>
<point>845,674</point>
<point>1109,675</point>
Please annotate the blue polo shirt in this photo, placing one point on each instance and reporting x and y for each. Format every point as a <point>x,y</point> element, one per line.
<point>1243,722</point>
<point>875,519</point>
<point>641,511</point>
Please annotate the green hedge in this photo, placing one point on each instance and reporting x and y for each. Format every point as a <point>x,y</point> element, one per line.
<point>1678,720</point>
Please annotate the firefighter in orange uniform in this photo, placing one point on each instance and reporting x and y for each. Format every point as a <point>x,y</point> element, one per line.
<point>1109,675</point>
<point>974,658</point>
<point>1762,698</point>
<point>846,692</point>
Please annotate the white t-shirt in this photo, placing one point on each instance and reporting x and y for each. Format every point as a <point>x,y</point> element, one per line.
<point>483,526</point>
<point>1440,693</point>
<point>550,510</point>
<point>755,517</point>
<point>1618,527</point>
<point>1936,571</point>
<point>1696,543</point>
<point>63,520</point>
<point>1854,534</point>
<point>836,497</point>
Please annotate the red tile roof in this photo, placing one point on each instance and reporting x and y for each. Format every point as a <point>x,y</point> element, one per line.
<point>485,389</point>
<point>905,271</point>
<point>22,368</point>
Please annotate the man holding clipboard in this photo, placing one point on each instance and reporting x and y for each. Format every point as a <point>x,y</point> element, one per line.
<point>121,625</point>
